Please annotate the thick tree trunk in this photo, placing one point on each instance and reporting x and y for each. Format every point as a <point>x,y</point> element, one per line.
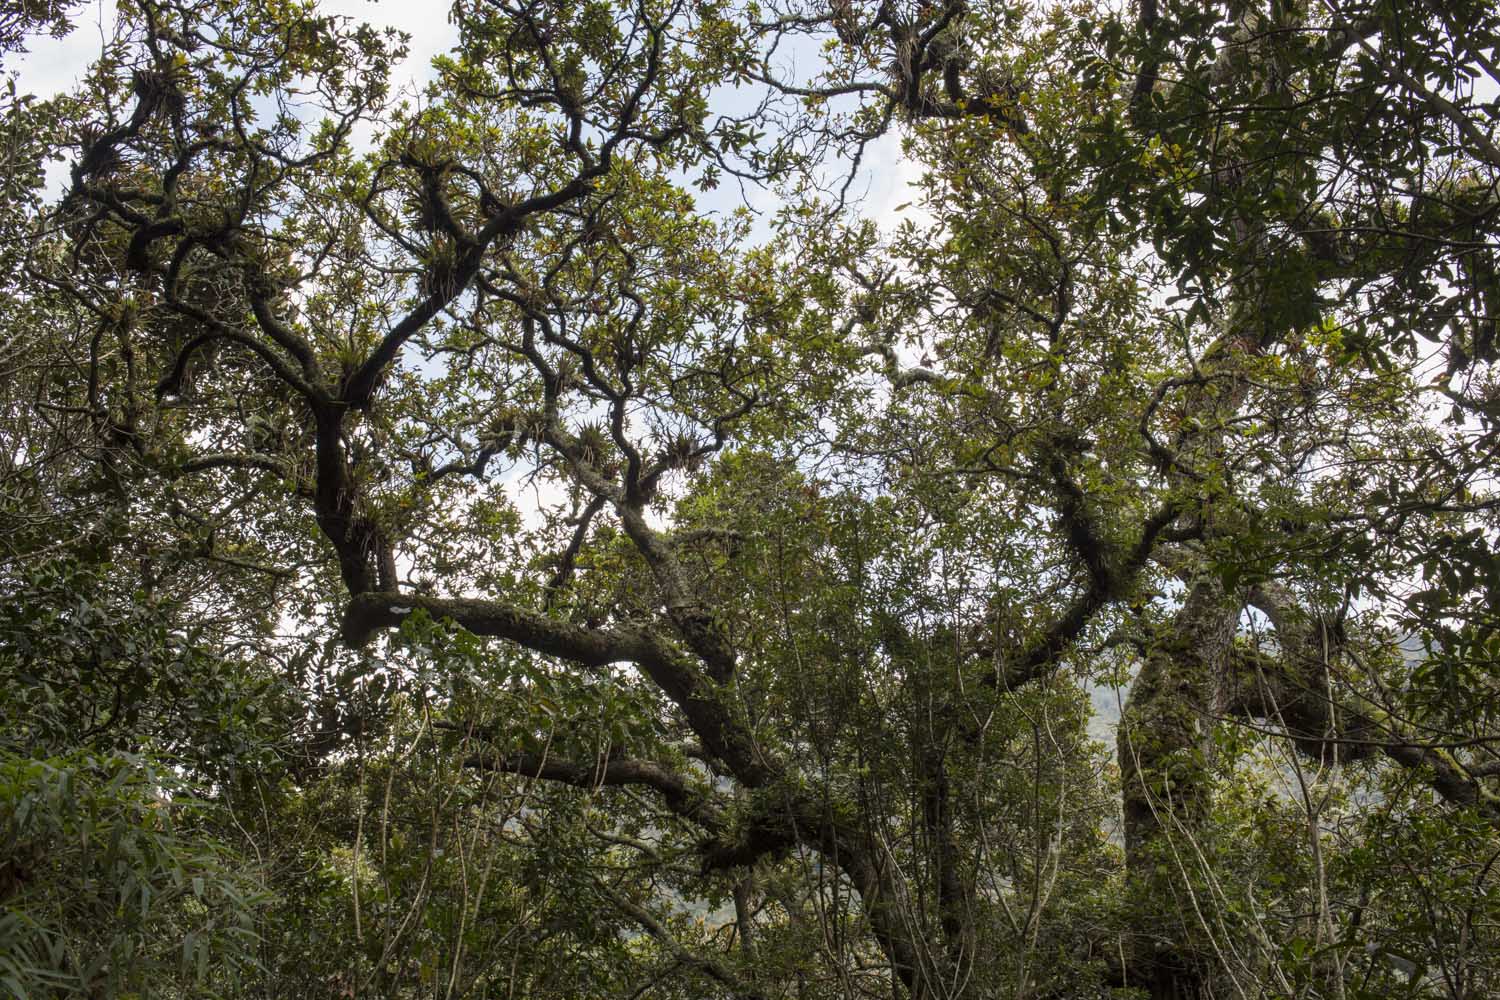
<point>1165,756</point>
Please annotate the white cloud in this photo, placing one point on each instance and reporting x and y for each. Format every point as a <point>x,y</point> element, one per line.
<point>51,66</point>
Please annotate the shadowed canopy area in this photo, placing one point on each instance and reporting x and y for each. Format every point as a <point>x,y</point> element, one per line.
<point>546,535</point>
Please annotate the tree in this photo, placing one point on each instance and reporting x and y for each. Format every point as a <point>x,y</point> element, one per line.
<point>665,567</point>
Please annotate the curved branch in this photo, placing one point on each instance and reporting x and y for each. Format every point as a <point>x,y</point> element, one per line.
<point>257,462</point>
<point>1041,655</point>
<point>1294,692</point>
<point>371,612</point>
<point>680,797</point>
<point>678,677</point>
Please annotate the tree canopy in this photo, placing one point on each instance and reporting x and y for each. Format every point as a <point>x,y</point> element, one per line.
<point>546,534</point>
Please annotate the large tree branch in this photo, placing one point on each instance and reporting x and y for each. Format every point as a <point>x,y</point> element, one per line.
<point>1294,691</point>
<point>371,612</point>
<point>899,377</point>
<point>1043,653</point>
<point>679,795</point>
<point>1150,68</point>
<point>366,560</point>
<point>701,701</point>
<point>698,626</point>
<point>1344,732</point>
<point>254,461</point>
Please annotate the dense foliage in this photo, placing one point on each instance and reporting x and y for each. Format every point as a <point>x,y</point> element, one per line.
<point>546,535</point>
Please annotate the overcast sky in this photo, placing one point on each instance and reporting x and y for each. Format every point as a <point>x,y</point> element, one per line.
<point>54,65</point>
